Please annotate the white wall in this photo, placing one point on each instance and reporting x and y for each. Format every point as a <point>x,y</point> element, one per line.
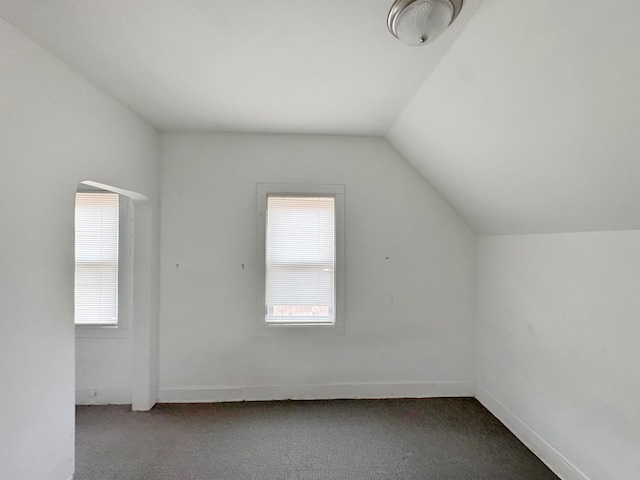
<point>558,347</point>
<point>408,318</point>
<point>56,130</point>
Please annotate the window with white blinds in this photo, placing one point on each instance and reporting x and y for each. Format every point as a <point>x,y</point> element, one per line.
<point>300,259</point>
<point>96,254</point>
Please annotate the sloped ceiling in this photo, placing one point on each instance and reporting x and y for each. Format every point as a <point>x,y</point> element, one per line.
<point>531,122</point>
<point>275,66</point>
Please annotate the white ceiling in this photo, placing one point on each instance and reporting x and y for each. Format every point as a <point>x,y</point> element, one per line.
<point>302,66</point>
<point>531,122</point>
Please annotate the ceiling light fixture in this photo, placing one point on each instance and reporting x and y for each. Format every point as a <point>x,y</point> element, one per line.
<point>418,22</point>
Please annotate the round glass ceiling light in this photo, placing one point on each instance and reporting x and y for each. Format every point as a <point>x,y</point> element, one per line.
<point>418,22</point>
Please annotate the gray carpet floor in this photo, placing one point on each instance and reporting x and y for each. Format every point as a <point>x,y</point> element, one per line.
<point>428,439</point>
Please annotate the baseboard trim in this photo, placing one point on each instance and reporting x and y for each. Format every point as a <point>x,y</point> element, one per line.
<point>546,452</point>
<point>315,392</point>
<point>103,396</point>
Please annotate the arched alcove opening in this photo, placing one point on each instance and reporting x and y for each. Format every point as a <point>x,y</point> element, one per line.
<point>140,317</point>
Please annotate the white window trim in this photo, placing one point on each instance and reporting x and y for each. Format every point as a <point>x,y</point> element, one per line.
<point>338,193</point>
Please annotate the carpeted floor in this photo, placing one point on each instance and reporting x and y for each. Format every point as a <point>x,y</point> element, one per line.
<point>435,439</point>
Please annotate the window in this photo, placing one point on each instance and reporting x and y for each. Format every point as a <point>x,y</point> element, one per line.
<point>301,249</point>
<point>96,258</point>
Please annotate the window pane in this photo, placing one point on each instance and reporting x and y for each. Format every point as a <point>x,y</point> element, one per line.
<point>96,254</point>
<point>300,259</point>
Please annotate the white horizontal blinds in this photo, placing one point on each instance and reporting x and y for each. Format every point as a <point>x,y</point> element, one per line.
<point>96,272</point>
<point>300,259</point>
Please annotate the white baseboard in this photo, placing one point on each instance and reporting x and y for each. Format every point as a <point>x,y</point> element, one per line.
<point>546,452</point>
<point>315,392</point>
<point>92,396</point>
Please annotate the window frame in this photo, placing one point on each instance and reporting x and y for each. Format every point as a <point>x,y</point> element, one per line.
<point>263,190</point>
<point>120,329</point>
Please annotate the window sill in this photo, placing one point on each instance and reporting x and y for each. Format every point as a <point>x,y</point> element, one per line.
<point>297,323</point>
<point>101,331</point>
<point>316,330</point>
